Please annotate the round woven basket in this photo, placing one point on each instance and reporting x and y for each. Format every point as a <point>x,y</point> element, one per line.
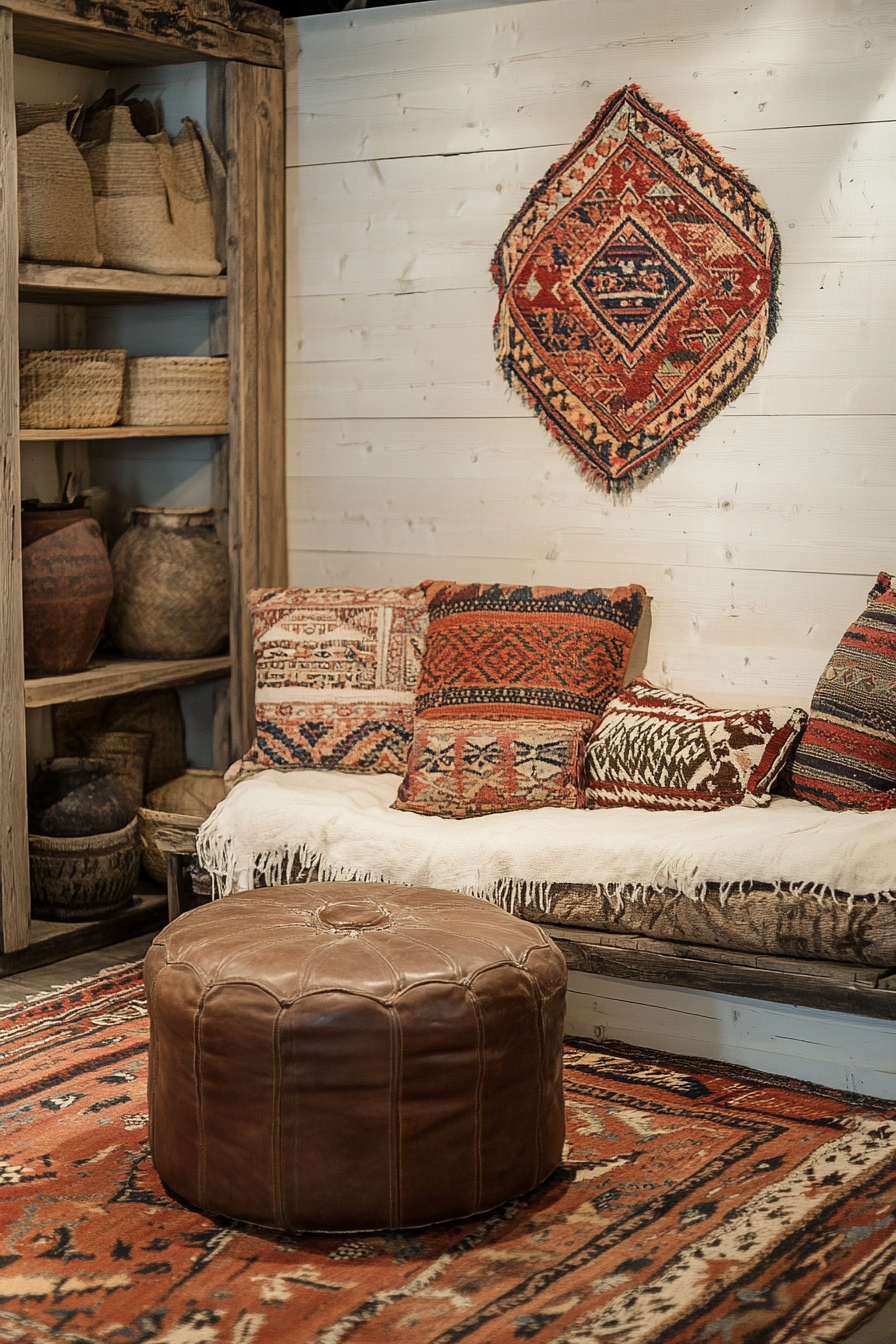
<point>87,877</point>
<point>70,389</point>
<point>177,390</point>
<point>182,803</point>
<point>126,755</point>
<point>155,712</point>
<point>172,585</point>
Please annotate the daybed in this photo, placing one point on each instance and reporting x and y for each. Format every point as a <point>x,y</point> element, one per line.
<point>772,898</point>
<point>789,903</point>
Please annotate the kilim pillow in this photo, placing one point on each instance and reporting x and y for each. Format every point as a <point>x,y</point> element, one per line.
<point>498,650</point>
<point>335,676</point>
<point>847,756</point>
<point>663,750</point>
<point>471,767</point>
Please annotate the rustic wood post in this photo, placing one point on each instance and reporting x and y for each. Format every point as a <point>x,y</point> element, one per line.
<point>255,193</point>
<point>14,884</point>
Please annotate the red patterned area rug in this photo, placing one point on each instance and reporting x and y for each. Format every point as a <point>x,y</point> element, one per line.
<point>638,291</point>
<point>696,1205</point>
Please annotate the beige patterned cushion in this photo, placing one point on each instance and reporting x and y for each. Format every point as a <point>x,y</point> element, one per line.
<point>471,767</point>
<point>335,675</point>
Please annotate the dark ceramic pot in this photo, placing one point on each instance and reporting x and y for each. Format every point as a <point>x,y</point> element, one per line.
<point>76,796</point>
<point>66,588</point>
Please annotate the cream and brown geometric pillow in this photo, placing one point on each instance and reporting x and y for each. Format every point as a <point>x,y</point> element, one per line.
<point>663,750</point>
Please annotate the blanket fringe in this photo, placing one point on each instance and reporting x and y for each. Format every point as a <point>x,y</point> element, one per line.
<point>299,863</point>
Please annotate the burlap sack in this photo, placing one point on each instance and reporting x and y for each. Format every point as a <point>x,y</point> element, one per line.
<point>56,220</point>
<point>147,221</point>
<point>29,115</point>
<point>182,165</point>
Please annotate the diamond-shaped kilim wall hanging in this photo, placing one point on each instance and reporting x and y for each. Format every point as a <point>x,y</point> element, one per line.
<point>637,289</point>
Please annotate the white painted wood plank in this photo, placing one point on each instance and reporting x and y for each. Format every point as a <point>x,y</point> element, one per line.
<point>531,518</point>
<point>401,225</point>
<point>764,455</point>
<point>368,519</point>
<point>377,86</point>
<point>857,1054</point>
<point>355,355</point>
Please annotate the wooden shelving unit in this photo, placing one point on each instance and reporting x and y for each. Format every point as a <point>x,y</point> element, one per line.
<point>121,676</point>
<point>243,45</point>
<point>84,284</point>
<point>124,432</point>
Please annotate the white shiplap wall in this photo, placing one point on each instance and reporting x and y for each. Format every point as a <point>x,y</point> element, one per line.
<point>415,132</point>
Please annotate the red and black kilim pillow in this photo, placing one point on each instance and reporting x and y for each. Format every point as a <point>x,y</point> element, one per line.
<point>497,650</point>
<point>472,767</point>
<point>847,755</point>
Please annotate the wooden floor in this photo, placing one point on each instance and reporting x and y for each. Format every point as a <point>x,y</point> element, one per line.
<point>881,1329</point>
<point>14,988</point>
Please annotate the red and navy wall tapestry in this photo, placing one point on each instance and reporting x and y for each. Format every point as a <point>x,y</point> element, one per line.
<point>638,291</point>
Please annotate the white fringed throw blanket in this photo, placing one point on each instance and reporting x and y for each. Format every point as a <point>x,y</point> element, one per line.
<point>342,826</point>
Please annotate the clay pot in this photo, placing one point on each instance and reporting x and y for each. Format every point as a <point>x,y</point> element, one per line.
<point>172,586</point>
<point>76,796</point>
<point>89,877</point>
<point>66,588</point>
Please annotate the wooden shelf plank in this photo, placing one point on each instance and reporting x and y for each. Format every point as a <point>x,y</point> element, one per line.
<point>87,284</point>
<point>119,676</point>
<point>165,33</point>
<point>53,940</point>
<point>125,432</point>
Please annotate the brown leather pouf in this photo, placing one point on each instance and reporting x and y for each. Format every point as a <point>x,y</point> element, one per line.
<point>350,1056</point>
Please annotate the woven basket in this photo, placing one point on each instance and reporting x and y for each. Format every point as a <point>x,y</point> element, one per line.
<point>55,199</point>
<point>155,712</point>
<point>86,877</point>
<point>153,211</point>
<point>126,754</point>
<point>70,389</point>
<point>31,115</point>
<point>176,390</point>
<point>183,803</point>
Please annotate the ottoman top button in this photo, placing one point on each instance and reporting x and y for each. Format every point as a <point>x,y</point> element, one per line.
<point>345,916</point>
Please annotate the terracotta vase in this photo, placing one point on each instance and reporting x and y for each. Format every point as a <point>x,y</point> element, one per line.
<point>172,586</point>
<point>76,796</point>
<point>66,588</point>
